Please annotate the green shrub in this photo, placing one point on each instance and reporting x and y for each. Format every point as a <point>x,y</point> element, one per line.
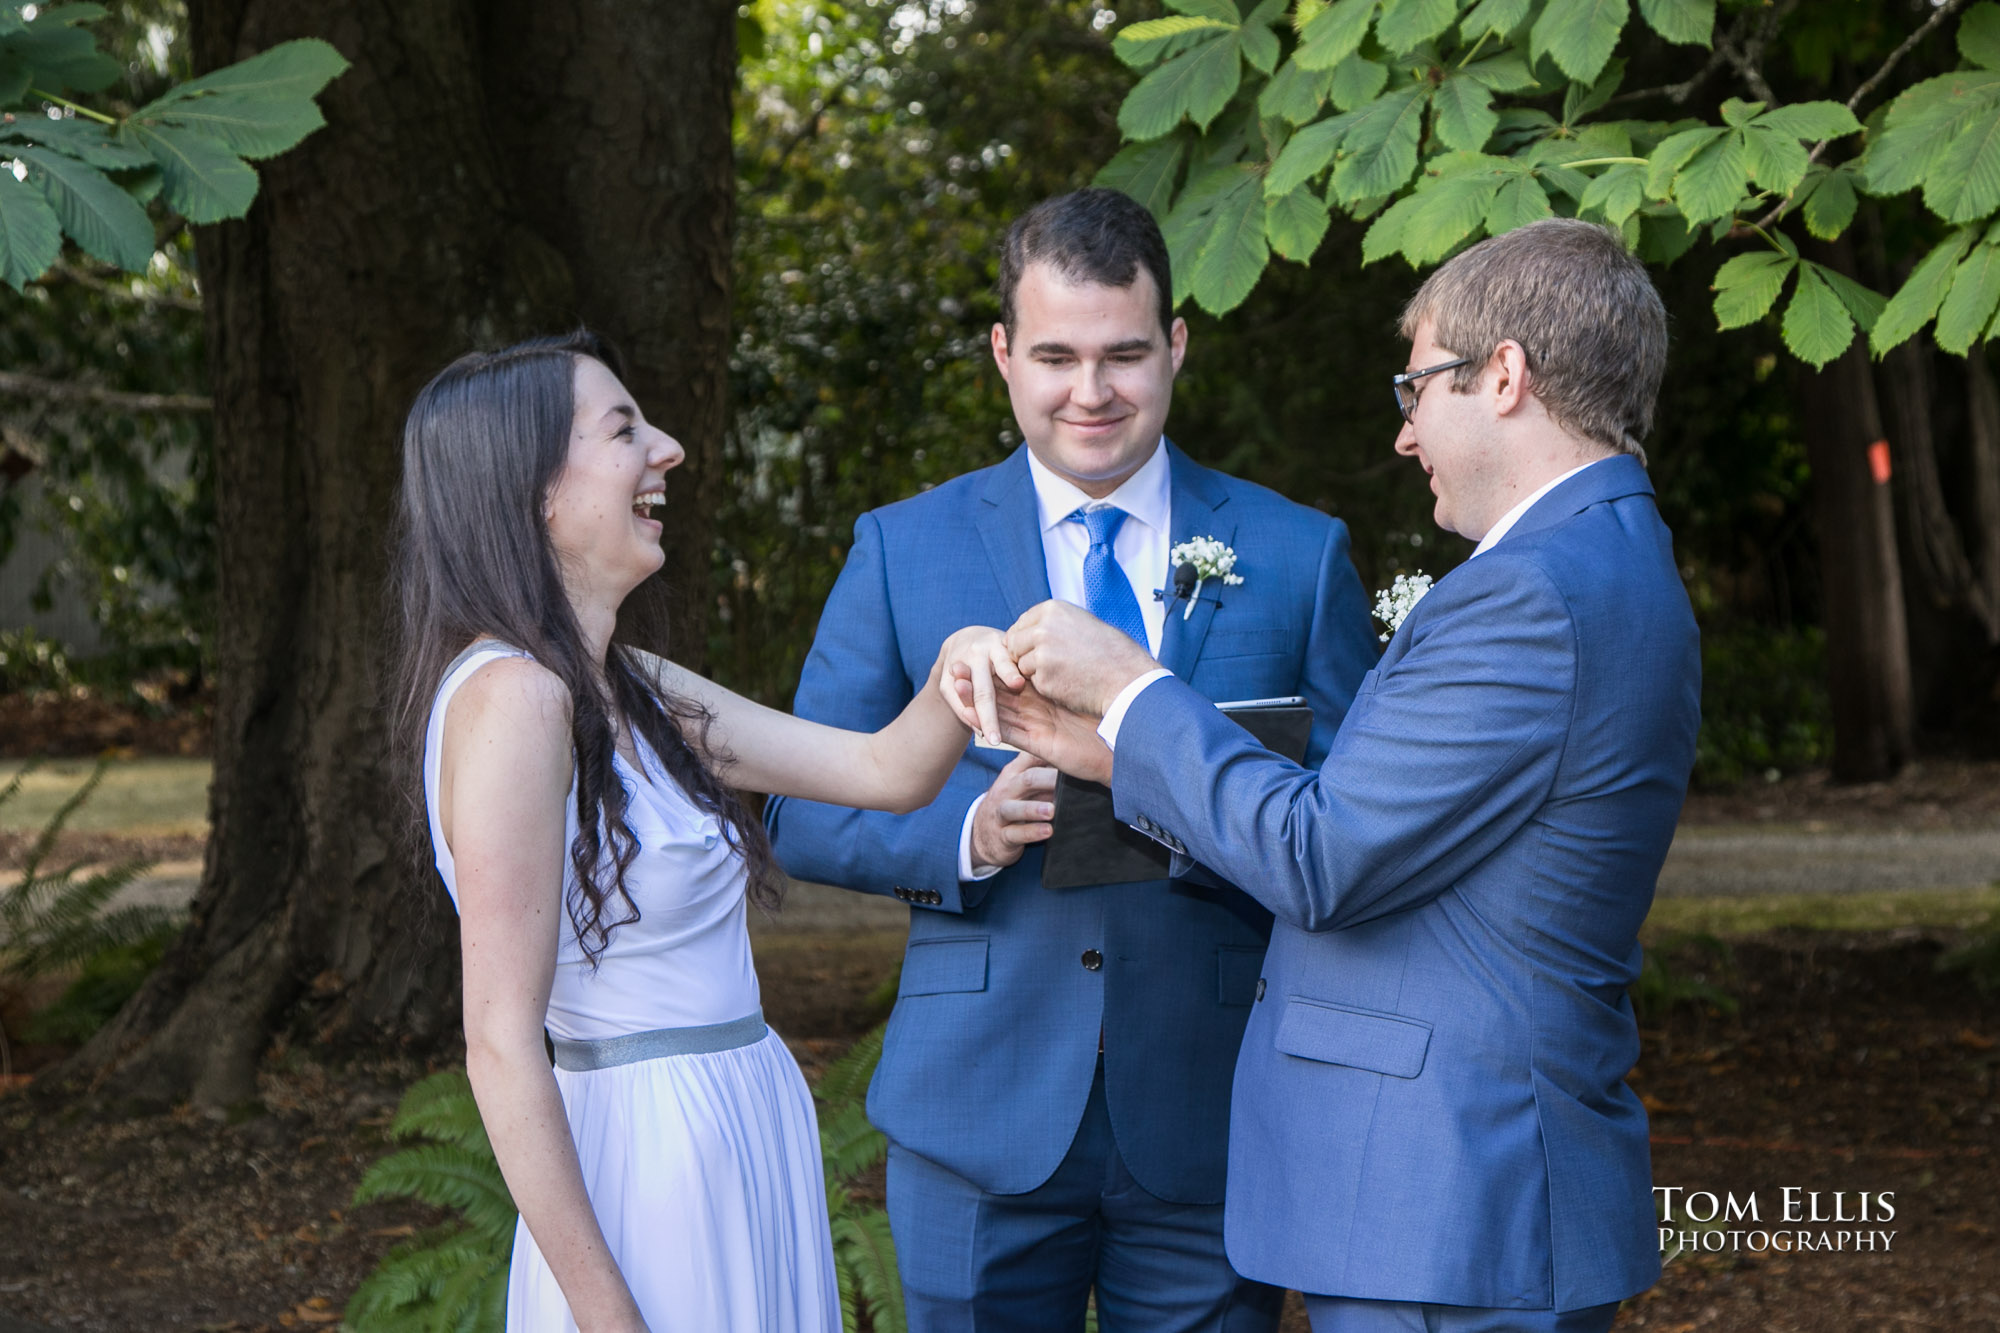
<point>1764,707</point>
<point>864,1254</point>
<point>32,664</point>
<point>1676,973</point>
<point>451,1278</point>
<point>49,922</point>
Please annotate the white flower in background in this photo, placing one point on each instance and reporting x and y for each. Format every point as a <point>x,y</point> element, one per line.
<point>1397,600</point>
<point>1211,560</point>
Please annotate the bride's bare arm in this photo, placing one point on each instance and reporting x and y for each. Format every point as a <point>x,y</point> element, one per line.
<point>504,777</point>
<point>901,768</point>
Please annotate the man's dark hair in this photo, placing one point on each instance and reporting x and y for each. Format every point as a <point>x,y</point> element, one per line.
<point>1100,236</point>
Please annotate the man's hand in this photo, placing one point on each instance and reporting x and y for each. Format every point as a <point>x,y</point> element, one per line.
<point>1076,660</point>
<point>1063,738</point>
<point>1015,813</point>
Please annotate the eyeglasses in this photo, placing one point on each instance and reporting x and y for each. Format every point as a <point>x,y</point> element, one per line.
<point>1408,390</point>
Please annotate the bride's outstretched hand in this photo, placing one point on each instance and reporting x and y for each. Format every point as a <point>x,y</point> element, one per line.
<point>968,664</point>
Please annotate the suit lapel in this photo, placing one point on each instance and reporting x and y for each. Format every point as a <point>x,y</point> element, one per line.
<point>1010,527</point>
<point>1197,498</point>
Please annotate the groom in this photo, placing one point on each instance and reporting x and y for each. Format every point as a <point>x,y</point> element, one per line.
<point>1055,1078</point>
<point>1431,1128</point>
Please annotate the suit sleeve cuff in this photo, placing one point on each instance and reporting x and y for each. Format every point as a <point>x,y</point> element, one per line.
<point>1114,716</point>
<point>966,873</point>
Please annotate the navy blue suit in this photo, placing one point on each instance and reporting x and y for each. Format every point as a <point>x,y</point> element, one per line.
<point>993,1048</point>
<point>1430,1103</point>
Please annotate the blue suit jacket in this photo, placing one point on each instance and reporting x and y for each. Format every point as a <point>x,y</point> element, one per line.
<point>992,1047</point>
<point>1430,1103</point>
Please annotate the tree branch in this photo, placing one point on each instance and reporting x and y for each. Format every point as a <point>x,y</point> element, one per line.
<point>61,391</point>
<point>1944,11</point>
<point>1677,93</point>
<point>61,273</point>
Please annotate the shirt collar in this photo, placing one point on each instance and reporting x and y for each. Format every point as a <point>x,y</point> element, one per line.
<point>1146,495</point>
<point>1513,516</point>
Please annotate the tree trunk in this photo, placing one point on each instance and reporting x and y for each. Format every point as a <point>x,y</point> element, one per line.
<point>488,171</point>
<point>1868,660</point>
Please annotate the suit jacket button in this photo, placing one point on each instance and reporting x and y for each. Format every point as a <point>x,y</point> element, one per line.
<point>933,897</point>
<point>1092,959</point>
<point>902,893</point>
<point>1260,988</point>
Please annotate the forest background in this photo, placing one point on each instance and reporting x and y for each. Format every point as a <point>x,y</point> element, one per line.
<point>848,240</point>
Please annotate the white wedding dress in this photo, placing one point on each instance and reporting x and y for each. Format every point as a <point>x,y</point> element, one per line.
<point>704,1169</point>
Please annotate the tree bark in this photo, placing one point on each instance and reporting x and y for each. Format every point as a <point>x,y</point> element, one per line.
<point>488,171</point>
<point>1868,659</point>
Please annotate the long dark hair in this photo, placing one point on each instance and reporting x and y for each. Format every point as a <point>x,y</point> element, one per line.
<point>484,442</point>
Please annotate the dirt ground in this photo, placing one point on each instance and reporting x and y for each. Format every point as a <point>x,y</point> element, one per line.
<point>1852,1067</point>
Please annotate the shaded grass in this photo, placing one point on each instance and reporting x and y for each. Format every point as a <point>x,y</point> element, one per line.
<point>138,797</point>
<point>1953,909</point>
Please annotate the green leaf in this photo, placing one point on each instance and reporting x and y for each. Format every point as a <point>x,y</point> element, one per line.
<point>1498,17</point>
<point>1225,11</point>
<point>1777,162</point>
<point>1187,226</point>
<point>1504,73</point>
<point>1921,294</point>
<point>1519,202</point>
<point>1673,154</point>
<point>1143,43</point>
<point>100,217</point>
<point>288,72</point>
<point>30,237</point>
<point>1197,85</point>
<point>1295,94</point>
<point>64,59</point>
<point>1408,24</point>
<point>1259,46</point>
<point>1357,82</point>
<point>1465,118</point>
<point>1296,223</point>
<point>1965,184</point>
<point>72,14</point>
<point>15,76</point>
<point>1233,250</point>
<point>202,180</point>
<point>1921,124</point>
<point>1864,305</point>
<point>1581,99</point>
<point>1664,235</point>
<point>1975,293</point>
<point>1382,146</point>
<point>1307,153</point>
<point>1580,34</point>
<point>1712,182</point>
<point>84,140</point>
<point>1979,36</point>
<point>1146,172</point>
<point>1736,113</point>
<point>1811,120</point>
<point>1817,327</point>
<point>1335,33</point>
<point>1616,194</point>
<point>1830,207</point>
<point>1443,213</point>
<point>248,127</point>
<point>1686,22</point>
<point>1747,286</point>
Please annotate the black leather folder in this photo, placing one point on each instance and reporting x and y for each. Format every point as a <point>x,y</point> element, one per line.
<point>1090,845</point>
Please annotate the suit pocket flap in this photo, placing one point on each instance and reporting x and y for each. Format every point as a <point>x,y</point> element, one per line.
<point>1362,1038</point>
<point>935,967</point>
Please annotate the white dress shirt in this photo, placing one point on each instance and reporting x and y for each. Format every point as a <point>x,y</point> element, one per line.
<point>1140,549</point>
<point>1114,716</point>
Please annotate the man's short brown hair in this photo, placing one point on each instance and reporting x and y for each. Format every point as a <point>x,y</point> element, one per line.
<point>1579,304</point>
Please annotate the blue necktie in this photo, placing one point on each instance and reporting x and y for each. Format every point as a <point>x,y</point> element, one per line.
<point>1106,591</point>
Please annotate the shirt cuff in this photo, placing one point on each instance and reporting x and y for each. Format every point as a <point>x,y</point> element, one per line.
<point>1114,716</point>
<point>966,873</point>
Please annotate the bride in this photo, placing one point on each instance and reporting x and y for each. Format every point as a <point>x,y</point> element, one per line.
<point>580,807</point>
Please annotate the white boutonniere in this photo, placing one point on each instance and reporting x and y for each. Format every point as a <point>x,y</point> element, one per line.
<point>1211,560</point>
<point>1396,601</point>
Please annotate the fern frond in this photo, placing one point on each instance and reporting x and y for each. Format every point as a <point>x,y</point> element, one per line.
<point>846,1079</point>
<point>848,1144</point>
<point>434,1280</point>
<point>443,1110</point>
<point>862,1243</point>
<point>45,841</point>
<point>850,1299</point>
<point>14,783</point>
<point>446,1176</point>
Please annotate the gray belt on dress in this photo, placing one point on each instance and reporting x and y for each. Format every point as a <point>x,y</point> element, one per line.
<point>632,1047</point>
